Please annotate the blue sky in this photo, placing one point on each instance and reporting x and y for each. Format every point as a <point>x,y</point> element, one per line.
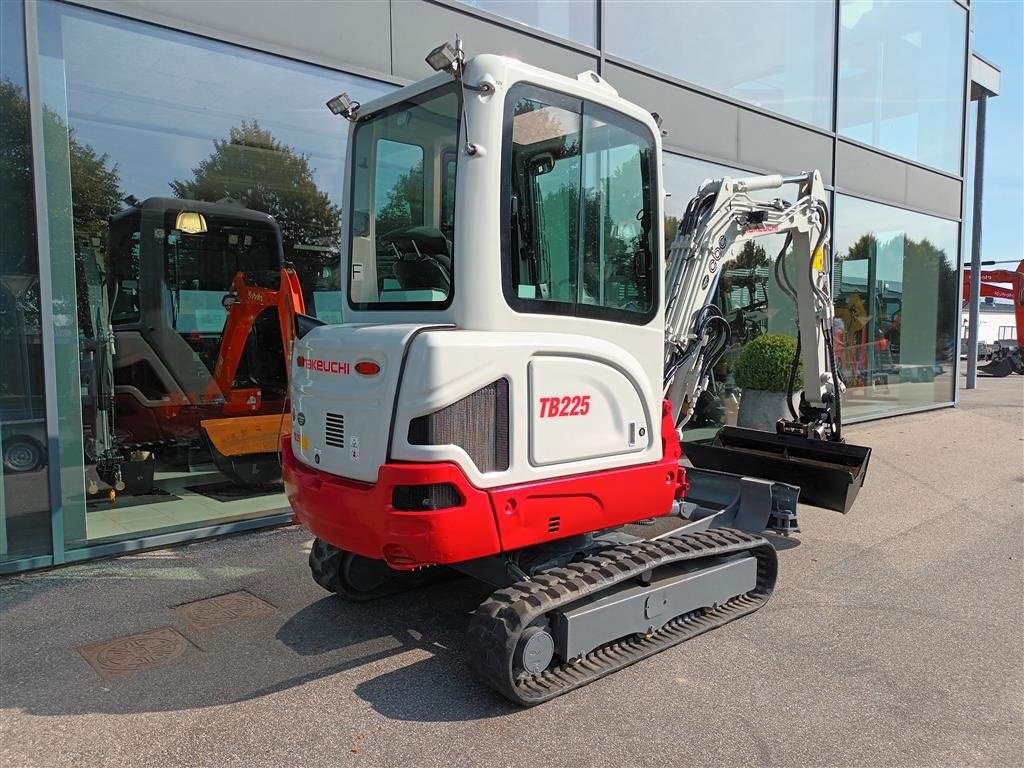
<point>998,29</point>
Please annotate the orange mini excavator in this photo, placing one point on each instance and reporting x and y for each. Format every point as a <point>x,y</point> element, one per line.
<point>245,449</point>
<point>202,321</point>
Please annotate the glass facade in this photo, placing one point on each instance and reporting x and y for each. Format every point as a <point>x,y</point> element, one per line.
<point>178,188</point>
<point>897,306</point>
<point>183,176</point>
<point>778,55</point>
<point>572,19</point>
<point>895,340</point>
<point>901,78</point>
<point>24,498</point>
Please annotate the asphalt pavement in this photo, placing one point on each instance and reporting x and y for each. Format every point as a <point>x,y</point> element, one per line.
<point>895,638</point>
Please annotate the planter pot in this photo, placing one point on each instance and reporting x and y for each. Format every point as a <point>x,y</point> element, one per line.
<point>760,409</point>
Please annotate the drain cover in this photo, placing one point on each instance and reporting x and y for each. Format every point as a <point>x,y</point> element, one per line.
<point>222,609</point>
<point>134,652</point>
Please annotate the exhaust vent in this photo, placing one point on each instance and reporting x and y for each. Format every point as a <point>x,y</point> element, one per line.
<point>554,523</point>
<point>414,498</point>
<point>334,430</point>
<point>478,424</point>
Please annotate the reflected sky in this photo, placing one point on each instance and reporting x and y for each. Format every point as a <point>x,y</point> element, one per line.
<point>777,55</point>
<point>901,78</point>
<point>155,100</point>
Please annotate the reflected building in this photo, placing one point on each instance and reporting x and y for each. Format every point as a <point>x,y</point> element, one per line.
<point>158,155</point>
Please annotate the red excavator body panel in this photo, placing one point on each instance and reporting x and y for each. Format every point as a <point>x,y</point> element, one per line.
<point>362,517</point>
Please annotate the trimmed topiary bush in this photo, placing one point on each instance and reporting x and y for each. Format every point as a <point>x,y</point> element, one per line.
<point>765,362</point>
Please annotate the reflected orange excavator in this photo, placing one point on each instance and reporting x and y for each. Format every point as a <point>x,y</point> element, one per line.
<point>245,449</point>
<point>201,319</point>
<point>1006,358</point>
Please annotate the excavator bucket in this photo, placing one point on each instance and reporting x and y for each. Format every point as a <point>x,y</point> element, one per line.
<point>997,368</point>
<point>828,473</point>
<point>245,448</point>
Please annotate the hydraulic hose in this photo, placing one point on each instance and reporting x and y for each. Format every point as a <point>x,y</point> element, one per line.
<point>792,379</point>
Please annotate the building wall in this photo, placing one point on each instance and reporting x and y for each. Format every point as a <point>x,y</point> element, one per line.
<point>155,99</point>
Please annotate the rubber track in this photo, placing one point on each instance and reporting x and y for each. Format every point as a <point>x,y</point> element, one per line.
<point>496,626</point>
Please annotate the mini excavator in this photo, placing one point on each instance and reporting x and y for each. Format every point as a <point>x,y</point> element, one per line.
<point>507,396</point>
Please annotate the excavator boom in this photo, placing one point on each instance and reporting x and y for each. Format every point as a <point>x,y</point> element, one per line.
<point>808,450</point>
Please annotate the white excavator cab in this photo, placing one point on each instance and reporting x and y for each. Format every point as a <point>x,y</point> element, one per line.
<point>503,252</point>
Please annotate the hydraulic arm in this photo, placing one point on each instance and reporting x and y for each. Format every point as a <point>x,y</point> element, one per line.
<point>718,222</point>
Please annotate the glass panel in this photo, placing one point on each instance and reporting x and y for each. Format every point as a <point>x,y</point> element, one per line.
<point>901,78</point>
<point>24,498</point>
<point>747,292</point>
<point>399,195</point>
<point>401,255</point>
<point>177,188</point>
<point>580,196</point>
<point>778,55</point>
<point>572,19</point>
<point>897,306</point>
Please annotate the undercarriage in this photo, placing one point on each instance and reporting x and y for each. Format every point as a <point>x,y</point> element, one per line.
<point>569,612</point>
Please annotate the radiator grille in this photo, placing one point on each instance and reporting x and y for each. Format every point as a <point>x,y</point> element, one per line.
<point>478,423</point>
<point>334,430</point>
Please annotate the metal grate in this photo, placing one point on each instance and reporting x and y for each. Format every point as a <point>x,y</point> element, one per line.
<point>134,653</point>
<point>334,430</point>
<point>222,609</point>
<point>478,423</point>
<point>419,497</point>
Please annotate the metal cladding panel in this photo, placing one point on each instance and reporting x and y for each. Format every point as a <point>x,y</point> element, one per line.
<point>862,171</point>
<point>933,192</point>
<point>777,146</point>
<point>353,33</point>
<point>418,26</point>
<point>695,123</point>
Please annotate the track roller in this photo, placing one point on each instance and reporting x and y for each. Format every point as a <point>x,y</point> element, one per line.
<point>356,578</point>
<point>569,626</point>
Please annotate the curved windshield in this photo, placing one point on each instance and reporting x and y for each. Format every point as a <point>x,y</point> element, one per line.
<point>403,191</point>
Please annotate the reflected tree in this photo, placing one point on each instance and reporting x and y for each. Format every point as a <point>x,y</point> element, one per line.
<point>404,204</point>
<point>254,168</point>
<point>95,194</point>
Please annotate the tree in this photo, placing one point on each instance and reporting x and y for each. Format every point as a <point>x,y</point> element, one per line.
<point>254,168</point>
<point>95,194</point>
<point>404,204</point>
<point>865,247</point>
<point>17,211</point>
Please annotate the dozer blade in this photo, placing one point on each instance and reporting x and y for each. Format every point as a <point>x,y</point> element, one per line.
<point>829,473</point>
<point>245,448</point>
<point>747,503</point>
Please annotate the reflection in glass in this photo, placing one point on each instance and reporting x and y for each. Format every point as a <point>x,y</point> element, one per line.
<point>177,188</point>
<point>901,78</point>
<point>896,306</point>
<point>775,55</point>
<point>24,497</point>
<point>572,19</point>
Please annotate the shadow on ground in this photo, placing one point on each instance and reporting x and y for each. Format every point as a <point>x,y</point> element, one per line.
<point>361,644</point>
